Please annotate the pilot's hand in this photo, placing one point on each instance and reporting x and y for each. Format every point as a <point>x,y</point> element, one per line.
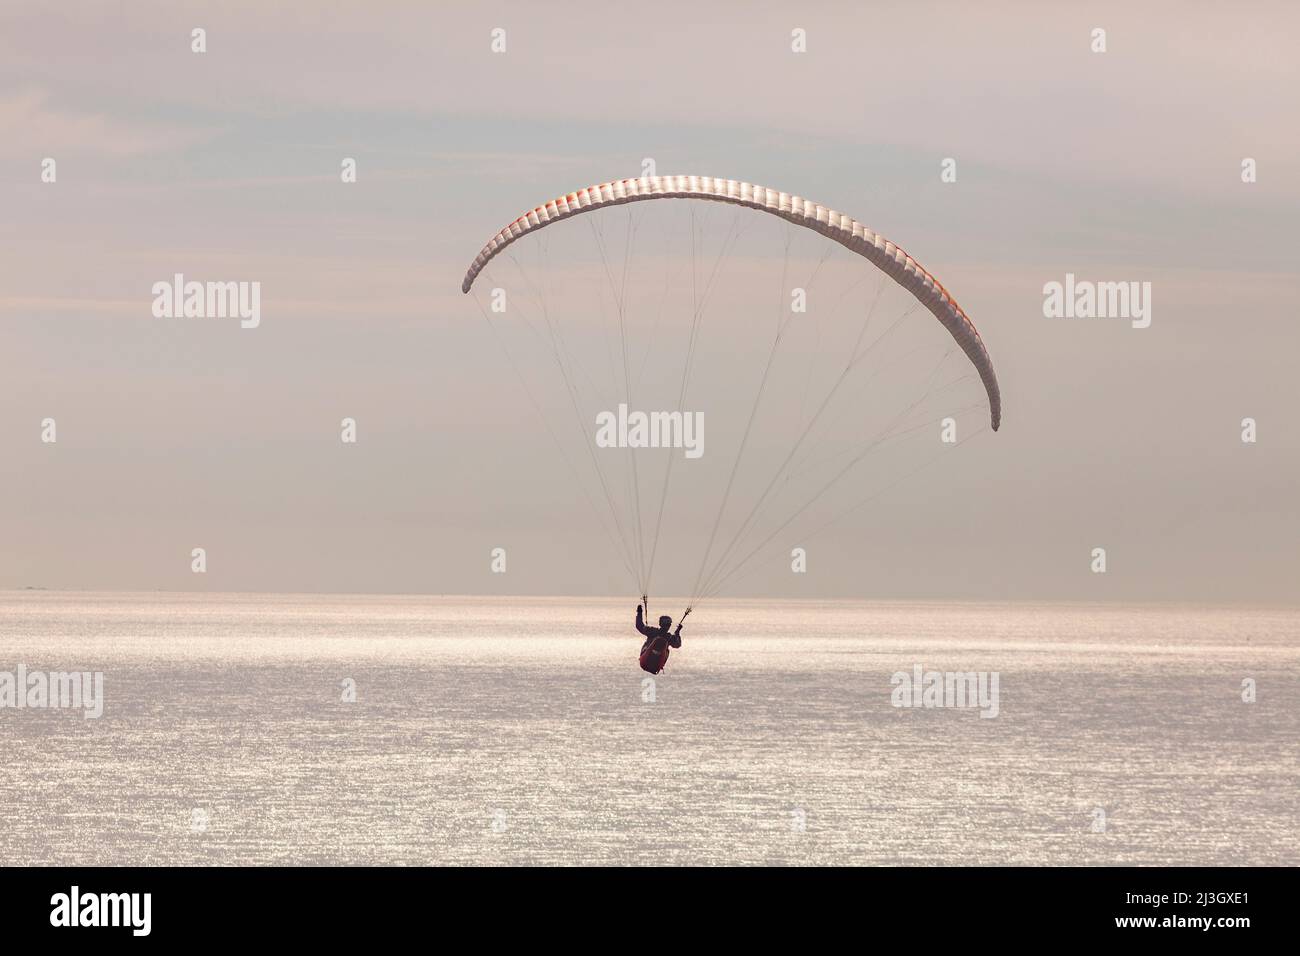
<point>638,608</point>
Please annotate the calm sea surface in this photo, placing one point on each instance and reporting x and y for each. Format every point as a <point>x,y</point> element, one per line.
<point>520,730</point>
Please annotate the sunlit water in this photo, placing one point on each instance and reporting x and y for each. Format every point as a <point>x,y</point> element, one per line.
<point>521,731</point>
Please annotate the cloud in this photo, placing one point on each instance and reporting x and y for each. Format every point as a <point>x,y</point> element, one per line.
<point>37,125</point>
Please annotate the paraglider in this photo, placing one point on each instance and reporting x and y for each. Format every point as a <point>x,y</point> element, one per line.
<point>828,438</point>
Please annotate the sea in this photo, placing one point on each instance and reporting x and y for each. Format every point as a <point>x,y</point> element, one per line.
<point>433,730</point>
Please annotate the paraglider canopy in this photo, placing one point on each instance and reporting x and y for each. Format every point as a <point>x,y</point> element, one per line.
<point>849,233</point>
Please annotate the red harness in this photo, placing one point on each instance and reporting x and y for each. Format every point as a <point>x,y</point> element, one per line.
<point>655,655</point>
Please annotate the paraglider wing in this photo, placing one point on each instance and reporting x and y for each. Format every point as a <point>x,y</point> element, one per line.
<point>850,233</point>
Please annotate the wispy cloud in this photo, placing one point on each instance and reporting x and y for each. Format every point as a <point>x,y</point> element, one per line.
<point>36,123</point>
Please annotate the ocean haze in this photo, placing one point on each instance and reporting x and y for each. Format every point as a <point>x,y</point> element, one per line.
<point>515,730</point>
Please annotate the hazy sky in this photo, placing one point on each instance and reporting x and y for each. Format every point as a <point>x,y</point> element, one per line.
<point>174,434</point>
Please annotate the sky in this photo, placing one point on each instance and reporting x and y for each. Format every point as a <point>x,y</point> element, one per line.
<point>175,434</point>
